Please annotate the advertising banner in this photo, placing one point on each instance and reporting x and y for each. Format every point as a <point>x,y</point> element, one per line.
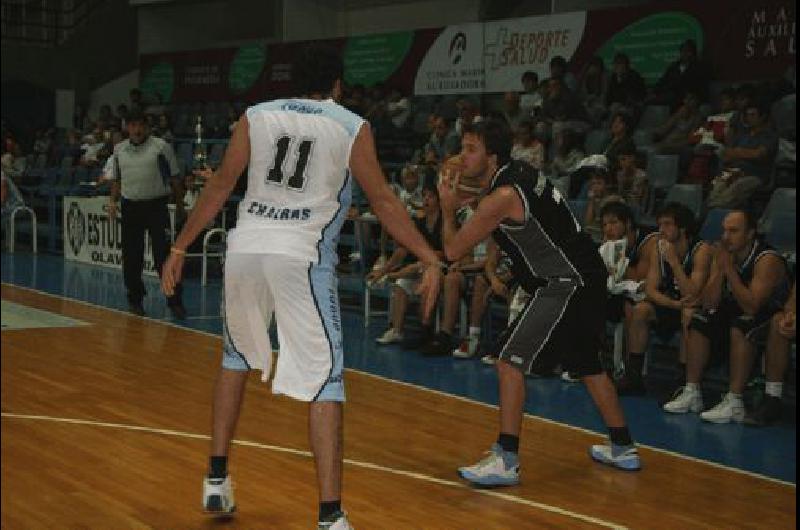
<point>515,46</point>
<point>91,237</point>
<point>454,63</point>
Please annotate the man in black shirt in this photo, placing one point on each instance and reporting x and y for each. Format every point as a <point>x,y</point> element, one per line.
<point>564,321</point>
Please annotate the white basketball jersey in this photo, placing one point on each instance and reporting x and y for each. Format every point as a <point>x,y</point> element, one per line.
<point>298,181</point>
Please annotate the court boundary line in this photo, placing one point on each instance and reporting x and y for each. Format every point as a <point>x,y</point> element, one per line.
<point>710,463</point>
<point>357,463</point>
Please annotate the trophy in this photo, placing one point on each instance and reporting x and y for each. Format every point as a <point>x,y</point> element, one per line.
<point>200,155</point>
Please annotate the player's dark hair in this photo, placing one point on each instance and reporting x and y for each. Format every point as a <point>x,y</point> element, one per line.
<point>618,209</point>
<point>496,136</point>
<point>681,214</point>
<point>316,68</point>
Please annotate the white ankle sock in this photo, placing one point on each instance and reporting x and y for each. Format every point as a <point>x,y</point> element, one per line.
<point>693,387</point>
<point>474,332</point>
<point>774,389</point>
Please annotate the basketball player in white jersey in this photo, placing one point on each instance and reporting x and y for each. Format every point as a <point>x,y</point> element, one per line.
<point>281,259</point>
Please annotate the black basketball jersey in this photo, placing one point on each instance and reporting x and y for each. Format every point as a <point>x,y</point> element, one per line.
<point>550,242</point>
<point>746,271</point>
<point>668,285</point>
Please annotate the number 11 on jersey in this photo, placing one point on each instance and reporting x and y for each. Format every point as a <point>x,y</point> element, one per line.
<point>297,180</point>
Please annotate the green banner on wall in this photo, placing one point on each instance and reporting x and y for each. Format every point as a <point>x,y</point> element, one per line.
<point>372,59</point>
<point>159,80</point>
<point>246,67</point>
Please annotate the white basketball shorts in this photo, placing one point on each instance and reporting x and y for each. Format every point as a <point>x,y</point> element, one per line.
<point>304,299</point>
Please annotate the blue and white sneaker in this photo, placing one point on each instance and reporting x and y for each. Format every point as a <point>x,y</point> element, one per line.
<point>218,496</point>
<point>498,468</point>
<point>621,457</point>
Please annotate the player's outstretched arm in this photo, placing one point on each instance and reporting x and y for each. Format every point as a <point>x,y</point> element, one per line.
<point>392,213</point>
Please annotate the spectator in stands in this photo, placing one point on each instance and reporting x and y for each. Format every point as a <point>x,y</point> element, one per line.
<point>71,149</point>
<point>562,109</point>
<point>406,277</point>
<point>11,166</point>
<point>468,112</point>
<point>163,129</point>
<point>626,88</point>
<point>678,272</point>
<point>631,181</point>
<point>568,154</point>
<point>495,280</point>
<point>685,76</point>
<point>598,196</point>
<point>398,108</point>
<point>91,148</point>
<point>122,113</point>
<point>444,141</point>
<point>782,331</point>
<point>559,70</point>
<point>458,277</point>
<point>105,118</point>
<point>672,138</point>
<point>512,112</point>
<point>526,146</point>
<point>530,101</point>
<point>754,148</point>
<point>354,99</point>
<point>748,286</point>
<point>621,138</point>
<point>745,96</point>
<point>136,100</point>
<point>592,90</point>
<point>43,143</point>
<point>80,118</point>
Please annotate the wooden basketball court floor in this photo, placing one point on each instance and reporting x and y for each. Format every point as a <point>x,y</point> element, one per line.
<point>105,421</point>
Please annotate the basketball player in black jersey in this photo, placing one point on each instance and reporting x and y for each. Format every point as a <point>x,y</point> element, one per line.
<point>564,320</point>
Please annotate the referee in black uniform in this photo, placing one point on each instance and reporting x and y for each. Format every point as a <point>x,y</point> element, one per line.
<point>145,173</point>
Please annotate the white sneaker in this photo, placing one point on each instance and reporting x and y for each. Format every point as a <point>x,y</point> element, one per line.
<point>389,337</point>
<point>568,378</point>
<point>467,349</point>
<point>687,400</point>
<point>498,468</point>
<point>731,408</point>
<point>339,524</point>
<point>218,496</point>
<point>627,460</point>
<point>489,359</point>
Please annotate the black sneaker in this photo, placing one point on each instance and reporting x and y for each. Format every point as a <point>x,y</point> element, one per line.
<point>136,308</point>
<point>767,412</point>
<point>178,311</point>
<point>629,385</point>
<point>440,345</point>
